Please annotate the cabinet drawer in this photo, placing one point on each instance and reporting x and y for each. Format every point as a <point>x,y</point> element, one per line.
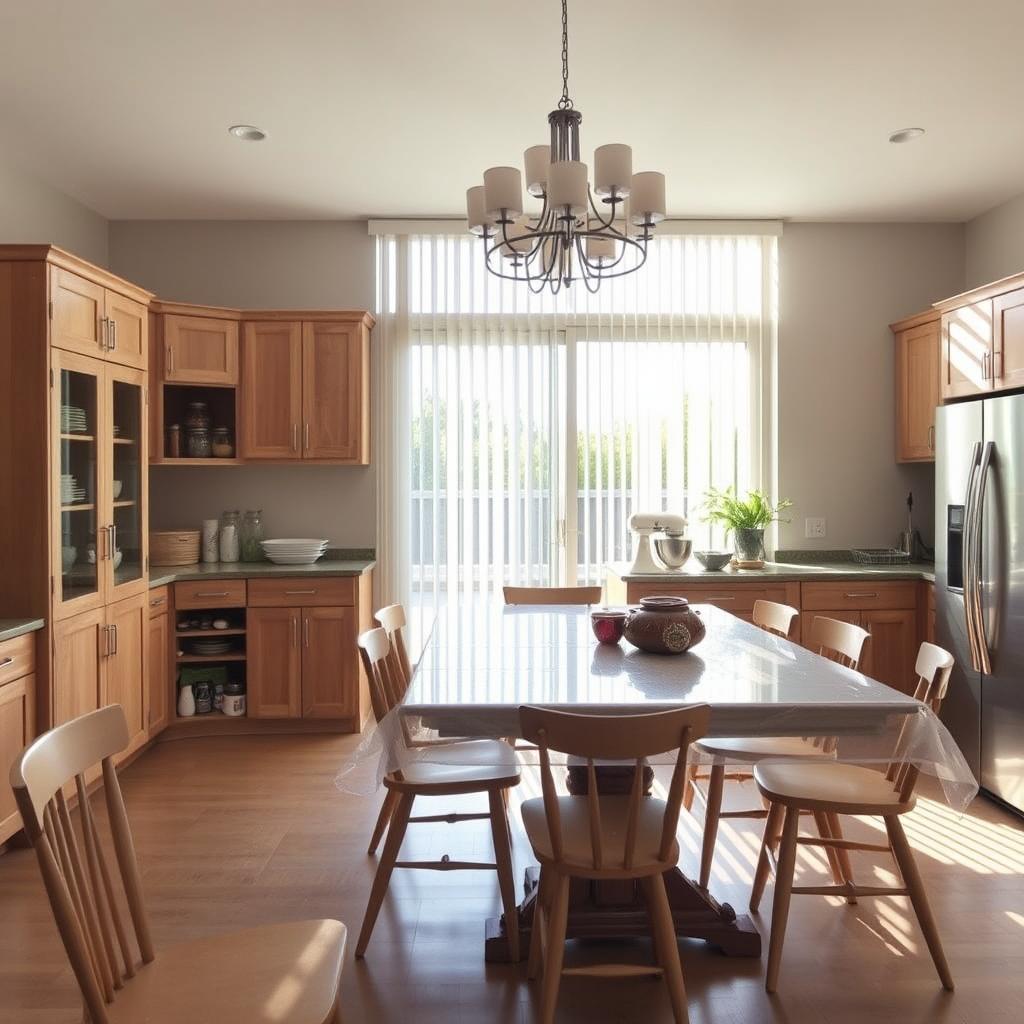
<point>303,592</point>
<point>159,601</point>
<point>17,657</point>
<point>858,594</point>
<point>738,598</point>
<point>210,594</point>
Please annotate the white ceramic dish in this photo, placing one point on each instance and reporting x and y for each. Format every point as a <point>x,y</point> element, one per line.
<point>307,559</point>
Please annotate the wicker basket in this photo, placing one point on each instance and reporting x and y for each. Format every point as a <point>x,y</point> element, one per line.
<point>173,547</point>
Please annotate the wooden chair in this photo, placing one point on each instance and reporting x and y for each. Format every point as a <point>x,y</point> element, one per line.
<point>608,837</point>
<point>392,620</point>
<point>268,975</point>
<point>552,595</point>
<point>839,641</point>
<point>450,768</point>
<point>835,789</point>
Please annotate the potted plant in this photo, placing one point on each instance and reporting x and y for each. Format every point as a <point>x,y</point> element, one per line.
<point>746,519</point>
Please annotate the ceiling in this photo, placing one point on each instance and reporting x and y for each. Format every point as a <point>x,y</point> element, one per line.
<point>394,107</point>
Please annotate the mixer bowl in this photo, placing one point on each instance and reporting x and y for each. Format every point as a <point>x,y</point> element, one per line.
<point>673,551</point>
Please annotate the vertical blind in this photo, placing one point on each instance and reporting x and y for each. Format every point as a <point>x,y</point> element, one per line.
<point>518,432</point>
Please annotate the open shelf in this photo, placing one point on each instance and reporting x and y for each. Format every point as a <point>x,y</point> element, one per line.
<point>210,716</point>
<point>125,504</point>
<point>196,462</point>
<point>208,659</point>
<point>204,633</point>
<point>124,440</point>
<point>76,508</point>
<point>78,437</point>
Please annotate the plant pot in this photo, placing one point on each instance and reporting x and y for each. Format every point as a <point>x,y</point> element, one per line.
<point>748,543</point>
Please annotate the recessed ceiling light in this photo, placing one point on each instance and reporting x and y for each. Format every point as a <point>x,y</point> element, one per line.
<point>906,135</point>
<point>249,132</point>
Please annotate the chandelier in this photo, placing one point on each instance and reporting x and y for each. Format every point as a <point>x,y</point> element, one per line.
<point>572,238</point>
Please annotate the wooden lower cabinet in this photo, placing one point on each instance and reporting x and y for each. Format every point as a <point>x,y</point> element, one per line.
<point>274,663</point>
<point>17,718</point>
<point>301,663</point>
<point>159,655</point>
<point>78,661</point>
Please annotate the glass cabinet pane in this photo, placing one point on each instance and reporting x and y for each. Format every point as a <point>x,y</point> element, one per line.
<point>77,483</point>
<point>126,483</point>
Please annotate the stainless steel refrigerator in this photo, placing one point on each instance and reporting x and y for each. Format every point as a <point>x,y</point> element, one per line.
<point>979,585</point>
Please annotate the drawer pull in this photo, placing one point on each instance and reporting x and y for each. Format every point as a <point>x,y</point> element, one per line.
<point>714,599</point>
<point>866,593</point>
<point>291,592</point>
<point>156,602</point>
<point>210,593</point>
<point>6,662</point>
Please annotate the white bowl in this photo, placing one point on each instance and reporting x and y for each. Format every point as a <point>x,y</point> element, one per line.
<point>307,559</point>
<point>305,542</point>
<point>117,489</point>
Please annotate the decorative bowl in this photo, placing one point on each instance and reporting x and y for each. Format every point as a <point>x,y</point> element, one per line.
<point>673,549</point>
<point>664,625</point>
<point>608,625</point>
<point>713,561</point>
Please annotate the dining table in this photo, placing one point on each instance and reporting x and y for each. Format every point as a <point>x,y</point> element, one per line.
<point>481,663</point>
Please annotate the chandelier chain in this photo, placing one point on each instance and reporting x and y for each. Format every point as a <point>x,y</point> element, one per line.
<point>565,103</point>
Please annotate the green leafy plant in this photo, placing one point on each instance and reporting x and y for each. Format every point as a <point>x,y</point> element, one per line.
<point>754,512</point>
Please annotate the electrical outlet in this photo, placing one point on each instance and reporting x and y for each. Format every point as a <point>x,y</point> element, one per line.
<point>814,526</point>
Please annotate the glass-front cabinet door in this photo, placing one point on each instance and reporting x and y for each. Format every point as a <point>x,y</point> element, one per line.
<point>77,496</point>
<point>126,467</point>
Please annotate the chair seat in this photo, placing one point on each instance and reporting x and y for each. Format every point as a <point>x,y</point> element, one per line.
<point>845,788</point>
<point>486,763</point>
<point>267,975</point>
<point>576,848</point>
<point>750,749</point>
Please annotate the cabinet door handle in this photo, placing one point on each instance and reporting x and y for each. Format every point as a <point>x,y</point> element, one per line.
<point>112,329</point>
<point>104,328</point>
<point>295,631</point>
<point>113,540</point>
<point>288,593</point>
<point>113,635</point>
<point>295,437</point>
<point>931,437</point>
<point>305,631</point>
<point>305,437</point>
<point>866,593</point>
<point>170,359</point>
<point>105,650</point>
<point>6,662</point>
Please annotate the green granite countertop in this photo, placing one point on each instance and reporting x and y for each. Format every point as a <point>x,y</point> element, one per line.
<point>161,575</point>
<point>10,628</point>
<point>785,572</point>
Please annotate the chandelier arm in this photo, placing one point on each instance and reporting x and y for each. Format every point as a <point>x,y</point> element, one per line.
<point>605,224</point>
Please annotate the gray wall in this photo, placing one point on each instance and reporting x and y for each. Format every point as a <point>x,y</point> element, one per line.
<point>840,286</point>
<point>268,264</point>
<point>994,243</point>
<point>32,211</point>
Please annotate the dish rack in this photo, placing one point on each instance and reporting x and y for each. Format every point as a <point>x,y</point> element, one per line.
<point>880,556</point>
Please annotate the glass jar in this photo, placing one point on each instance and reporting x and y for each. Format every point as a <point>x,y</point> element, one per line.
<point>221,444</point>
<point>198,443</point>
<point>197,417</point>
<point>251,535</point>
<point>229,547</point>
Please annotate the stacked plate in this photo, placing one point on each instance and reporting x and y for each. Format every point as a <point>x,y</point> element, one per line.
<point>210,647</point>
<point>294,550</point>
<point>70,492</point>
<point>73,420</point>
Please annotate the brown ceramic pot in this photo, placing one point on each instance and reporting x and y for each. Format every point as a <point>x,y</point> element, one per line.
<point>664,625</point>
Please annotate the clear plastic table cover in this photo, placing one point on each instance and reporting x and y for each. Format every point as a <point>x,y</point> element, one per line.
<point>481,663</point>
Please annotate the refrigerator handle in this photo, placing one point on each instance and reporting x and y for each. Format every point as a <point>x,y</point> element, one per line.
<point>967,565</point>
<point>984,657</point>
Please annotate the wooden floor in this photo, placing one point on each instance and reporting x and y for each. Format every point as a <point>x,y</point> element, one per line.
<point>238,831</point>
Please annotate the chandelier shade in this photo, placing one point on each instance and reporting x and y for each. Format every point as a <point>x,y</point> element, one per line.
<point>589,228</point>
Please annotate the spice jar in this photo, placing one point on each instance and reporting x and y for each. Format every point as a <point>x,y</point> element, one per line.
<point>220,443</point>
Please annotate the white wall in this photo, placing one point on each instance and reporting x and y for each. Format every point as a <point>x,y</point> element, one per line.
<point>32,211</point>
<point>268,264</point>
<point>994,243</point>
<point>840,286</point>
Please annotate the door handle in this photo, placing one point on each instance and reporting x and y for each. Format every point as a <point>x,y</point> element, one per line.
<point>305,437</point>
<point>305,631</point>
<point>113,333</point>
<point>966,560</point>
<point>931,437</point>
<point>295,631</point>
<point>113,635</point>
<point>105,652</point>
<point>170,359</point>
<point>113,540</point>
<point>295,437</point>
<point>984,656</point>
<point>104,332</point>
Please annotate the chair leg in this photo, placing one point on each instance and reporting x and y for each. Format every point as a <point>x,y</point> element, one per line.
<point>396,833</point>
<point>843,856</point>
<point>386,810</point>
<point>825,831</point>
<point>691,775</point>
<point>555,948</point>
<point>537,933</point>
<point>783,894</point>
<point>918,898</point>
<point>506,873</point>
<point>667,945</point>
<point>712,812</point>
<point>771,830</point>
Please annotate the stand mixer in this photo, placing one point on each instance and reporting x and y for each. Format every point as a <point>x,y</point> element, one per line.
<point>644,525</point>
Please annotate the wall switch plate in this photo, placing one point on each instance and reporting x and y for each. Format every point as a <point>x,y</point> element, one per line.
<point>814,526</point>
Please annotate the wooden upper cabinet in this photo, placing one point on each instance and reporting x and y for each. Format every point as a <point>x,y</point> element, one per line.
<point>127,330</point>
<point>967,350</point>
<point>200,350</point>
<point>76,313</point>
<point>918,360</point>
<point>335,392</point>
<point>271,390</point>
<point>1008,339</point>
